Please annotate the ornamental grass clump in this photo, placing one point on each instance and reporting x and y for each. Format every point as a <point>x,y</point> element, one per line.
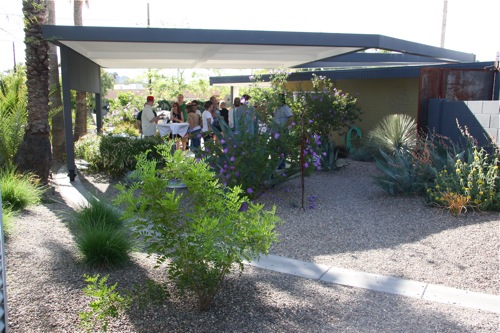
<point>101,236</point>
<point>201,232</point>
<point>19,190</point>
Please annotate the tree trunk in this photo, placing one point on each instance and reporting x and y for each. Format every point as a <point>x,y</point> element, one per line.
<point>81,97</point>
<point>34,153</point>
<point>81,115</point>
<point>58,138</point>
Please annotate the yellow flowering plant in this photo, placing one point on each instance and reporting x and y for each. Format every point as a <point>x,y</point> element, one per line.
<point>475,183</point>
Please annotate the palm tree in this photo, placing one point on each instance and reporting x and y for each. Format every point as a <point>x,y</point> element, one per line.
<point>58,138</point>
<point>34,153</point>
<point>81,96</point>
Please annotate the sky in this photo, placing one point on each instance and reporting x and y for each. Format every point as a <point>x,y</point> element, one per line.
<point>471,26</point>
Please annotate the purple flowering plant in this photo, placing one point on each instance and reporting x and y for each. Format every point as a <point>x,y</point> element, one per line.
<point>250,161</point>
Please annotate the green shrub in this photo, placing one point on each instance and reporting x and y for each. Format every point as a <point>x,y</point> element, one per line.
<point>87,148</point>
<point>101,237</point>
<point>13,115</point>
<point>106,303</point>
<point>19,191</point>
<point>250,161</point>
<point>453,177</point>
<point>203,230</point>
<point>394,132</point>
<point>114,154</point>
<point>475,182</point>
<point>325,108</point>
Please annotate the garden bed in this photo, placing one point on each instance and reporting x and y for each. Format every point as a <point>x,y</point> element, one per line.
<point>351,224</point>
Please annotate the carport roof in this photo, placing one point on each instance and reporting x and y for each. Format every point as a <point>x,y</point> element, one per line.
<point>114,47</point>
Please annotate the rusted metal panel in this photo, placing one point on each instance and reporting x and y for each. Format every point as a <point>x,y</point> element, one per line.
<point>453,84</point>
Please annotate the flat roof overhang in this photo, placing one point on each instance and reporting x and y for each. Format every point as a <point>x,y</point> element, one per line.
<point>113,47</point>
<point>84,50</point>
<point>396,72</point>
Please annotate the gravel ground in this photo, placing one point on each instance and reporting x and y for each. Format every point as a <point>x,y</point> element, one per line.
<point>358,226</point>
<point>353,225</point>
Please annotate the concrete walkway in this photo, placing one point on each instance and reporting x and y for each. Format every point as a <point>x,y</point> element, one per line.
<point>75,195</point>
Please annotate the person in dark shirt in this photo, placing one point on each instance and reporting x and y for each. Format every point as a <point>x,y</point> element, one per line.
<point>224,112</point>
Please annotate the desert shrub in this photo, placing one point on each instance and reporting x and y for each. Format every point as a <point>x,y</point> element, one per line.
<point>474,183</point>
<point>251,160</point>
<point>412,170</point>
<point>13,115</point>
<point>457,177</point>
<point>115,154</point>
<point>394,132</point>
<point>19,190</point>
<point>325,109</point>
<point>101,237</point>
<point>205,231</point>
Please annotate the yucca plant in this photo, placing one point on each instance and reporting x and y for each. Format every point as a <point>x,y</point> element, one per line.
<point>393,133</point>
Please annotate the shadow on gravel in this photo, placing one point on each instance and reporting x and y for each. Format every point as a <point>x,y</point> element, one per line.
<point>100,185</point>
<point>262,301</point>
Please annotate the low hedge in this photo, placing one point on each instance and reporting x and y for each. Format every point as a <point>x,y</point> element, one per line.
<point>115,154</point>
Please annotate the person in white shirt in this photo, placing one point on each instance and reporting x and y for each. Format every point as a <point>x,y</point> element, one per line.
<point>148,118</point>
<point>207,119</point>
<point>236,104</point>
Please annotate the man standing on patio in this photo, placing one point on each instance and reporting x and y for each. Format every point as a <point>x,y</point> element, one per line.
<point>148,118</point>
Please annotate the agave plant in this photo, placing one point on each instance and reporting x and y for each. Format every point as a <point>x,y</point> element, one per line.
<point>400,173</point>
<point>393,133</point>
<point>330,156</point>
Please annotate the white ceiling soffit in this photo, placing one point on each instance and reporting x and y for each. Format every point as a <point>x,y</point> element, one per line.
<point>114,47</point>
<point>185,55</point>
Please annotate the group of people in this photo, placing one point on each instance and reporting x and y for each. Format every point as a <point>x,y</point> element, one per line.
<point>241,118</point>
